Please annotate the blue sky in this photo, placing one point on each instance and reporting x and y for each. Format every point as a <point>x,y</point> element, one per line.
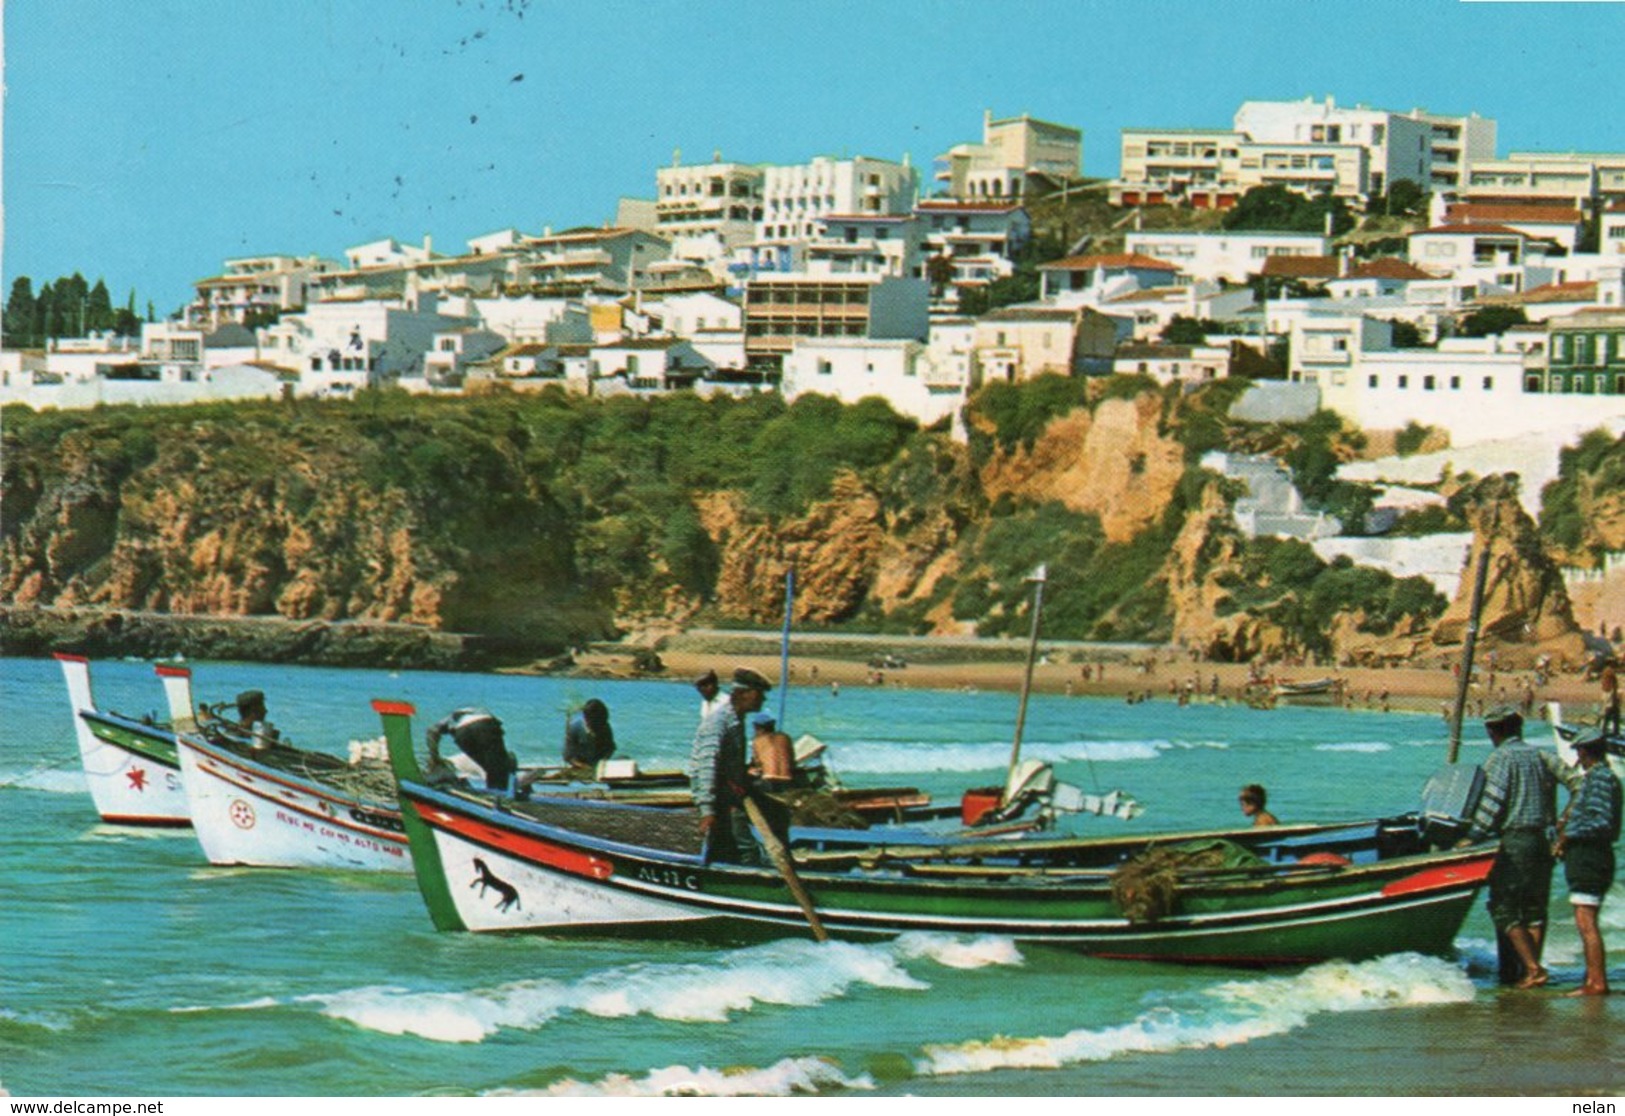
<point>145,143</point>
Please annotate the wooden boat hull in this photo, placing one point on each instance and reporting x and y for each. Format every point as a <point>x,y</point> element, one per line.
<point>607,868</point>
<point>253,813</point>
<point>131,767</point>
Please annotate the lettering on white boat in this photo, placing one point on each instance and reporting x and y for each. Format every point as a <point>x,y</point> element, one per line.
<point>670,877</point>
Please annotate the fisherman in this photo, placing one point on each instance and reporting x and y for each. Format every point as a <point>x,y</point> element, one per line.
<point>252,719</point>
<point>1585,844</point>
<point>710,689</point>
<point>1610,697</point>
<point>773,755</point>
<point>1252,799</point>
<point>588,737</point>
<point>1519,806</point>
<point>478,734</point>
<point>718,773</point>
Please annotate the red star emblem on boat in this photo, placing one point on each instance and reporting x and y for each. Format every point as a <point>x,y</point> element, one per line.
<point>138,778</point>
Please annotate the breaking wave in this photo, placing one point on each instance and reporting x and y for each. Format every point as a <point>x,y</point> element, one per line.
<point>1356,746</point>
<point>787,973</point>
<point>50,779</point>
<point>788,1077</point>
<point>1226,1014</point>
<point>913,758</point>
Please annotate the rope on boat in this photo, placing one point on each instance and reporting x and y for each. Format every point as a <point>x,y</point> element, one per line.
<point>1146,888</point>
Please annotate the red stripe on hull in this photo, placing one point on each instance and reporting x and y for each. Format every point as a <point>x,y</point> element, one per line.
<point>149,822</point>
<point>518,845</point>
<point>1445,876</point>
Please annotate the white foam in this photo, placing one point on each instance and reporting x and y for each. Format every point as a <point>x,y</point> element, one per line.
<point>790,973</point>
<point>789,1077</point>
<point>52,779</point>
<point>889,759</point>
<point>1356,746</point>
<point>1228,1013</point>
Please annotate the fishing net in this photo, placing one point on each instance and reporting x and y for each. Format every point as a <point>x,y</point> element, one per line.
<point>1146,888</point>
<point>812,808</point>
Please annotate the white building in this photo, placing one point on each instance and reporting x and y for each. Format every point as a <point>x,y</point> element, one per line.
<point>1188,364</point>
<point>899,372</point>
<point>1396,146</point>
<point>796,199</point>
<point>865,244</point>
<point>524,319</point>
<point>1232,257</point>
<point>707,209</point>
<point>689,315</point>
<point>255,285</point>
<point>1012,151</point>
<point>337,348</point>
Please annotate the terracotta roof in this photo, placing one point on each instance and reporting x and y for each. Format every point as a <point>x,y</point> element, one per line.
<point>1486,213</point>
<point>951,205</point>
<point>1469,229</point>
<point>1581,290</point>
<point>1033,314</point>
<point>1389,267</point>
<point>1112,261</point>
<point>1149,294</point>
<point>529,348</point>
<point>1302,267</point>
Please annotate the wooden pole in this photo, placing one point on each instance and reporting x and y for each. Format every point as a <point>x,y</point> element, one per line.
<point>784,642</point>
<point>786,867</point>
<point>1037,579</point>
<point>1470,641</point>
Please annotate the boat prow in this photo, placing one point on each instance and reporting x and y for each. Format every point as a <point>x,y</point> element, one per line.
<point>130,764</point>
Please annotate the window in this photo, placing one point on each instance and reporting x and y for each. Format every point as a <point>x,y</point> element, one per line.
<point>825,368</point>
<point>1455,383</point>
<point>1404,381</point>
<point>1427,383</point>
<point>631,364</point>
<point>1489,383</point>
<point>1371,381</point>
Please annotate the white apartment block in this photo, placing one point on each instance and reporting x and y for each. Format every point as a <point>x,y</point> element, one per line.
<point>1232,257</point>
<point>255,284</point>
<point>1487,254</point>
<point>689,315</point>
<point>795,199</point>
<point>522,319</point>
<point>780,309</point>
<point>708,209</point>
<point>1153,309</point>
<point>979,238</point>
<point>1531,178</point>
<point>1011,151</point>
<point>1212,169</point>
<point>865,244</point>
<point>898,371</point>
<point>1395,146</point>
<point>338,347</point>
<point>1162,166</point>
<point>581,261</point>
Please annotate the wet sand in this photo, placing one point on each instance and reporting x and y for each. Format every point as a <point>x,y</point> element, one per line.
<point>1414,689</point>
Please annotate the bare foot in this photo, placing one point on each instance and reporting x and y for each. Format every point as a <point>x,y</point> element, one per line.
<point>1535,979</point>
<point>1589,990</point>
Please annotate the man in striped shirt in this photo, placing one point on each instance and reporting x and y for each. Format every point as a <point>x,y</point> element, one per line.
<point>717,771</point>
<point>1586,842</point>
<point>1519,805</point>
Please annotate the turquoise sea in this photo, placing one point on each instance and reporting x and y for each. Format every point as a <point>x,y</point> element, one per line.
<point>129,967</point>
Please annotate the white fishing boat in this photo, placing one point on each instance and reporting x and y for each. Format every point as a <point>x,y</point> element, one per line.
<point>130,763</point>
<point>271,805</point>
<point>1321,691</point>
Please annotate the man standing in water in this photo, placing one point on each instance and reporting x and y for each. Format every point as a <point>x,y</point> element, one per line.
<point>717,770</point>
<point>1519,805</point>
<point>1585,843</point>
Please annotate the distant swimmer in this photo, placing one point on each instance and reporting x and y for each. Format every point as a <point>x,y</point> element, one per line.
<point>1252,799</point>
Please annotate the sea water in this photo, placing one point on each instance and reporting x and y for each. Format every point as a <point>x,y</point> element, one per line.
<point>128,966</point>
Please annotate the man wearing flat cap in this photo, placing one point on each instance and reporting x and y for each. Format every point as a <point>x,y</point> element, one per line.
<point>1519,806</point>
<point>717,771</point>
<point>1585,842</point>
<point>252,718</point>
<point>710,691</point>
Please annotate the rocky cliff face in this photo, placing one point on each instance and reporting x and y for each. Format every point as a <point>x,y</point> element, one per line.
<point>1526,609</point>
<point>1112,462</point>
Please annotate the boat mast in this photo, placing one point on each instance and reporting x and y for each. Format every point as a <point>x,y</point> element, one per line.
<point>1470,641</point>
<point>1037,578</point>
<point>784,642</point>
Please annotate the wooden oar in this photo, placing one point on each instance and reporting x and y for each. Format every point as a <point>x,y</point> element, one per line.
<point>781,859</point>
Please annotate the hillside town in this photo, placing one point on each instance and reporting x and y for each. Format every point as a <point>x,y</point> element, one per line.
<point>853,277</point>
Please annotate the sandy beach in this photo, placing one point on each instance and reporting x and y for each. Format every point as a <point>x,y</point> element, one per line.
<point>1162,675</point>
